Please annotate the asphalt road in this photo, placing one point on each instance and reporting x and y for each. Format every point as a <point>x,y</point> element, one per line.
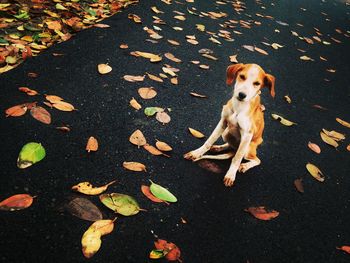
<point>310,225</point>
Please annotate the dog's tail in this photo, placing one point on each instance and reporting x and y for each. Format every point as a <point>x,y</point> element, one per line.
<point>223,156</point>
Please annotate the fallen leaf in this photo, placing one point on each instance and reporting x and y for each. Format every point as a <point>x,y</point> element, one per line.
<point>29,91</point>
<point>200,27</point>
<point>92,144</point>
<point>41,114</point>
<point>298,183</point>
<point>155,78</point>
<point>162,146</point>
<point>163,117</point>
<point>337,136</point>
<point>132,78</point>
<point>328,140</point>
<point>147,93</point>
<point>104,68</point>
<point>63,106</point>
<point>153,150</point>
<point>137,138</point>
<point>172,57</point>
<point>147,192</point>
<point>204,66</point>
<point>261,51</point>
<point>121,203</point>
<point>170,250</point>
<point>169,71</point>
<point>91,242</point>
<point>150,56</point>
<point>233,59</point>
<point>150,111</point>
<point>283,120</point>
<point>194,94</point>
<point>123,46</point>
<point>135,104</point>
<point>88,189</point>
<point>315,172</point>
<point>173,42</point>
<point>314,147</point>
<point>342,122</point>
<point>288,99</point>
<point>181,18</point>
<point>162,193</point>
<point>174,81</point>
<point>16,202</point>
<point>306,58</point>
<point>156,10</point>
<point>248,47</point>
<point>134,166</point>
<point>99,25</point>
<point>344,248</point>
<point>276,46</point>
<point>63,128</point>
<point>53,98</point>
<point>196,133</point>
<point>262,213</point>
<point>348,147</point>
<point>210,166</point>
<point>84,209</point>
<point>16,111</point>
<point>135,18</point>
<point>30,154</point>
<point>157,254</point>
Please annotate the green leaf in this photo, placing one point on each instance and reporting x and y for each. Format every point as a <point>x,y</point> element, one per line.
<point>120,203</point>
<point>162,193</point>
<point>91,12</point>
<point>157,254</point>
<point>60,7</point>
<point>3,41</point>
<point>150,111</point>
<point>30,154</point>
<point>22,15</point>
<point>30,27</point>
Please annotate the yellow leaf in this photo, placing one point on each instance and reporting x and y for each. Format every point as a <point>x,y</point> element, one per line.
<point>155,10</point>
<point>155,78</point>
<point>315,172</point>
<point>132,78</point>
<point>53,98</point>
<point>261,51</point>
<point>63,106</point>
<point>288,99</point>
<point>104,226</point>
<point>342,122</point>
<point>134,166</point>
<point>196,133</point>
<point>276,46</point>
<point>162,146</point>
<point>328,140</point>
<point>135,104</point>
<point>181,18</point>
<point>153,150</point>
<point>200,27</point>
<point>337,136</point>
<point>88,189</point>
<point>314,147</point>
<point>233,59</point>
<point>147,93</point>
<point>169,71</point>
<point>283,120</point>
<point>306,58</point>
<point>91,242</point>
<point>150,56</point>
<point>104,68</point>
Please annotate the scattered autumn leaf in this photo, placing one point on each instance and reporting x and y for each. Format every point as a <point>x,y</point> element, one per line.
<point>153,150</point>
<point>163,117</point>
<point>53,98</point>
<point>328,140</point>
<point>262,212</point>
<point>314,147</point>
<point>342,122</point>
<point>135,18</point>
<point>163,146</point>
<point>298,183</point>
<point>147,93</point>
<point>132,78</point>
<point>29,91</point>
<point>16,202</point>
<point>88,189</point>
<point>315,172</point>
<point>261,51</point>
<point>104,68</point>
<point>63,106</point>
<point>306,58</point>
<point>92,144</point>
<point>16,111</point>
<point>134,166</point>
<point>135,104</point>
<point>282,120</point>
<point>147,192</point>
<point>288,99</point>
<point>233,59</point>
<point>137,138</point>
<point>196,133</point>
<point>344,248</point>
<point>155,78</point>
<point>41,114</point>
<point>83,209</point>
<point>194,94</point>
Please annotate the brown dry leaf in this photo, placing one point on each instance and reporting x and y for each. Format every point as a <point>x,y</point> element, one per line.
<point>29,91</point>
<point>174,81</point>
<point>328,140</point>
<point>342,122</point>
<point>16,111</point>
<point>135,18</point>
<point>41,114</point>
<point>137,138</point>
<point>192,41</point>
<point>248,47</point>
<point>210,57</point>
<point>172,57</point>
<point>344,248</point>
<point>261,51</point>
<point>181,18</point>
<point>196,133</point>
<point>132,78</point>
<point>194,94</point>
<point>163,117</point>
<point>135,104</point>
<point>169,71</point>
<point>262,213</point>
<point>134,166</point>
<point>156,10</point>
<point>63,106</point>
<point>99,25</point>
<point>288,99</point>
<point>155,78</point>
<point>202,66</point>
<point>306,58</point>
<point>124,46</point>
<point>315,172</point>
<point>104,68</point>
<point>92,144</point>
<point>162,146</point>
<point>314,147</point>
<point>53,98</point>
<point>233,59</point>
<point>147,93</point>
<point>63,128</point>
<point>298,183</point>
<point>173,42</point>
<point>153,150</point>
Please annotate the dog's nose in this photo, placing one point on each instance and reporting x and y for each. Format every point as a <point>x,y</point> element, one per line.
<point>242,95</point>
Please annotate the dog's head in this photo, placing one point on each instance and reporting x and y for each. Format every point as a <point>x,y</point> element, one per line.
<point>249,79</point>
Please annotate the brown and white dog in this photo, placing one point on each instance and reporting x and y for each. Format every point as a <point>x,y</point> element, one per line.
<point>242,121</point>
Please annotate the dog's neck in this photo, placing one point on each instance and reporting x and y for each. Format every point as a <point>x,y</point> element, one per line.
<point>245,106</point>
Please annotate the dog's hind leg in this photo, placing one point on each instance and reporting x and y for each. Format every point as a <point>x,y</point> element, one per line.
<point>217,157</point>
<point>251,157</point>
<point>219,148</point>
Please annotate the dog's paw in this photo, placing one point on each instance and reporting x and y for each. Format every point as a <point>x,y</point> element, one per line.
<point>193,155</point>
<point>243,167</point>
<point>229,180</point>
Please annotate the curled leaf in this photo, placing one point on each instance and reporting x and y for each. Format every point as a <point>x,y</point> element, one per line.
<point>16,202</point>
<point>150,111</point>
<point>147,192</point>
<point>328,140</point>
<point>337,136</point>
<point>315,172</point>
<point>283,120</point>
<point>262,212</point>
<point>88,189</point>
<point>29,91</point>
<point>342,122</point>
<point>135,104</point>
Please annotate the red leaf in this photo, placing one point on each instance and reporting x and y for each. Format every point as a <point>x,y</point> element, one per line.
<point>16,111</point>
<point>146,191</point>
<point>173,252</point>
<point>41,114</point>
<point>262,213</point>
<point>345,248</point>
<point>16,202</point>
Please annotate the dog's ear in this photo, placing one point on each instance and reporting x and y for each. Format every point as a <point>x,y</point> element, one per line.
<point>269,82</point>
<point>231,72</point>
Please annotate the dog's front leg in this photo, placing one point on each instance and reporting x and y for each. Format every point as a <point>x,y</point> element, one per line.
<point>195,154</point>
<point>237,159</point>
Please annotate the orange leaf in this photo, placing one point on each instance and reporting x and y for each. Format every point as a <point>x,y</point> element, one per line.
<point>63,106</point>
<point>345,248</point>
<point>163,117</point>
<point>314,147</point>
<point>147,93</point>
<point>261,51</point>
<point>16,202</point>
<point>53,98</point>
<point>262,213</point>
<point>134,166</point>
<point>194,94</point>
<point>147,192</point>
<point>173,252</point>
<point>162,146</point>
<point>153,150</point>
<point>29,91</point>
<point>92,144</point>
<point>16,111</point>
<point>137,138</point>
<point>155,78</point>
<point>135,104</point>
<point>41,114</point>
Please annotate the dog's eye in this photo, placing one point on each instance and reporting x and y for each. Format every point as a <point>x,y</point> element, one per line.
<point>256,83</point>
<point>242,77</point>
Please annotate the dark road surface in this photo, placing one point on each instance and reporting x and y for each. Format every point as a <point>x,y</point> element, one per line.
<point>310,225</point>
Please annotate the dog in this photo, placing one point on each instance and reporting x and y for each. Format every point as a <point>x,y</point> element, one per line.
<point>242,121</point>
